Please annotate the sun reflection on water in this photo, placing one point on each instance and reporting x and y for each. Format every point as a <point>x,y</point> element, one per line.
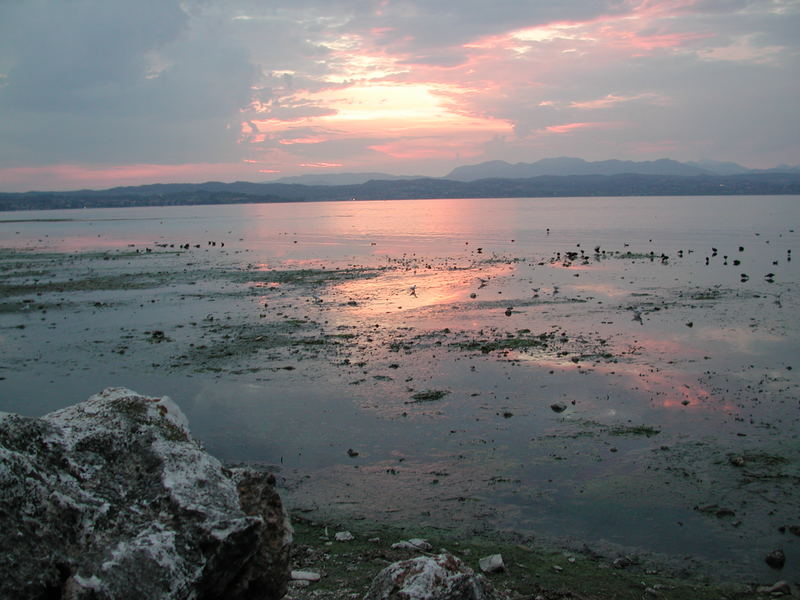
<point>408,290</point>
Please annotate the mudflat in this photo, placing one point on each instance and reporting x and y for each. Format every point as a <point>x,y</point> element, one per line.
<point>623,399</point>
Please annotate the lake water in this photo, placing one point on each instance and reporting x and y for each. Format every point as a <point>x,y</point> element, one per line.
<point>614,371</point>
<point>347,229</point>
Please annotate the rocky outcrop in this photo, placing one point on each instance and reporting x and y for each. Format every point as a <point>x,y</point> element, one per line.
<point>112,498</point>
<point>440,577</point>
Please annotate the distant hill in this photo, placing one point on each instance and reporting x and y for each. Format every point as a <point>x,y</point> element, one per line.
<point>577,166</point>
<point>341,178</point>
<point>779,169</point>
<point>720,168</point>
<point>626,184</point>
<point>573,166</point>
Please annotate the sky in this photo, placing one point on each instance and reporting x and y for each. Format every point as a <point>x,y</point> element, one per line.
<point>100,93</point>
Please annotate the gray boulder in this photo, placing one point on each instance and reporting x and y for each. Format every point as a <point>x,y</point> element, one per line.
<point>440,577</point>
<point>112,498</point>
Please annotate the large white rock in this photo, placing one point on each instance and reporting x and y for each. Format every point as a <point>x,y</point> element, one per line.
<point>440,577</point>
<point>112,498</point>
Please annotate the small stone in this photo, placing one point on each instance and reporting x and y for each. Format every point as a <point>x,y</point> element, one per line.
<point>307,576</point>
<point>776,559</point>
<point>343,536</point>
<point>413,544</point>
<point>736,460</point>
<point>622,562</point>
<point>492,563</point>
<point>558,407</point>
<point>780,588</point>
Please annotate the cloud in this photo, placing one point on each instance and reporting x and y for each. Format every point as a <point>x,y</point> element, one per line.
<point>611,100</point>
<point>97,80</point>
<point>394,85</point>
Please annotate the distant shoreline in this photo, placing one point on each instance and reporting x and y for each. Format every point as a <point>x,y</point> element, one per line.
<point>543,186</point>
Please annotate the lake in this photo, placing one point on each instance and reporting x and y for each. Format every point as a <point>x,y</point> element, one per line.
<point>619,372</point>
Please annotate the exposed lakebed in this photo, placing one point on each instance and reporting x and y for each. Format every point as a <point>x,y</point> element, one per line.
<point>629,387</point>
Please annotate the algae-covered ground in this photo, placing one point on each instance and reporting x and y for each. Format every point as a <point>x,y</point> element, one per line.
<point>346,568</point>
<point>603,401</point>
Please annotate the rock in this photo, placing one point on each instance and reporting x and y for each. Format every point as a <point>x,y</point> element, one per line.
<point>558,407</point>
<point>343,536</point>
<point>443,577</point>
<point>112,498</point>
<point>305,576</point>
<point>736,460</point>
<point>776,559</point>
<point>623,562</point>
<point>492,563</point>
<point>780,588</point>
<point>413,544</point>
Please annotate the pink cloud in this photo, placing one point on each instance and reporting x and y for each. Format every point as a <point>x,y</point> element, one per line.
<point>72,176</point>
<point>570,127</point>
<point>613,99</point>
<point>302,140</point>
<point>320,165</point>
<point>443,147</point>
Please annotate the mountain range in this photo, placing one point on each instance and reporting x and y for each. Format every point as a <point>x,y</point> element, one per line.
<point>562,166</point>
<point>542,186</point>
<point>552,177</point>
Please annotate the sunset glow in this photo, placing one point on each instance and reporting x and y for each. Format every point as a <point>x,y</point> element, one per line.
<point>399,88</point>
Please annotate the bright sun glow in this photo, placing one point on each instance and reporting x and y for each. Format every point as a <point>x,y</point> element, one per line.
<point>386,102</point>
<point>424,113</point>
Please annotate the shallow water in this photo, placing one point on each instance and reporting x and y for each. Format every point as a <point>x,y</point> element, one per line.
<point>311,330</point>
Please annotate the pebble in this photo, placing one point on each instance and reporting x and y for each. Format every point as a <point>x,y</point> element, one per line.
<point>492,563</point>
<point>558,407</point>
<point>306,576</point>
<point>736,460</point>
<point>622,562</point>
<point>413,544</point>
<point>780,588</point>
<point>776,559</point>
<point>343,536</point>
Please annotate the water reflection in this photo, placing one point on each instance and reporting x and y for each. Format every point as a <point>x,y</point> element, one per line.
<point>329,318</point>
<point>408,289</point>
